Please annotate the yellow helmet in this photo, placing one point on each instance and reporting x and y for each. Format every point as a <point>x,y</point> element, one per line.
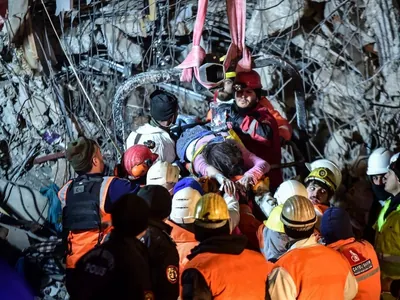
<point>211,211</point>
<point>323,175</point>
<point>298,213</point>
<point>274,220</point>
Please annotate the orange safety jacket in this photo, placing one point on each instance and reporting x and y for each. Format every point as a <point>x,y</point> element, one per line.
<point>229,276</point>
<point>284,127</point>
<point>185,242</point>
<point>83,241</point>
<point>317,272</point>
<point>364,264</point>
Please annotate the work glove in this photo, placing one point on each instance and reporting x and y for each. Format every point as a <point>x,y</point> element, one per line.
<point>225,184</point>
<point>234,119</point>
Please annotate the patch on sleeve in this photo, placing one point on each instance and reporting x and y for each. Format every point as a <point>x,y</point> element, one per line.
<point>359,264</point>
<point>172,274</point>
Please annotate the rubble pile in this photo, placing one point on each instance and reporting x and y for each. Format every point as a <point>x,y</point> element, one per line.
<point>346,52</point>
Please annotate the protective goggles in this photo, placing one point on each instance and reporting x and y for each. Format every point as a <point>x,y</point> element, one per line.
<point>141,169</point>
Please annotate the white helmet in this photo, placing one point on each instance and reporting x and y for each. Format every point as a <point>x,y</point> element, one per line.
<point>162,172</point>
<point>325,163</point>
<point>183,205</point>
<point>288,189</point>
<point>378,161</point>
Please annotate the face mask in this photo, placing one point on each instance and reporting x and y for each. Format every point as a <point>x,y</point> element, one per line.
<point>379,192</point>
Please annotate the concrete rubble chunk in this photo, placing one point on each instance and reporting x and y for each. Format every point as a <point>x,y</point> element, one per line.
<point>274,16</point>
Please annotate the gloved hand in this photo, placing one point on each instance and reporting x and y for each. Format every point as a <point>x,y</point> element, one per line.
<point>227,185</point>
<point>234,118</point>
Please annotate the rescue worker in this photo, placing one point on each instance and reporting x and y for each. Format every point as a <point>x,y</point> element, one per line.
<point>255,123</point>
<point>387,243</point>
<point>163,255</point>
<point>118,268</point>
<point>271,234</point>
<point>321,186</point>
<point>220,267</point>
<point>137,161</point>
<point>377,168</point>
<point>163,114</point>
<point>87,199</point>
<point>308,270</point>
<point>187,193</point>
<point>163,173</point>
<point>221,156</point>
<point>338,234</point>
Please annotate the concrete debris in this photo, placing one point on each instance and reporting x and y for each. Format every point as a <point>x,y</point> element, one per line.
<point>79,39</point>
<point>274,16</point>
<point>17,12</point>
<point>269,77</point>
<point>63,6</point>
<point>347,54</point>
<point>382,16</point>
<point>119,47</point>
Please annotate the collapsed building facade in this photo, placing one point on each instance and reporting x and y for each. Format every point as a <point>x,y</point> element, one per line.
<point>87,67</point>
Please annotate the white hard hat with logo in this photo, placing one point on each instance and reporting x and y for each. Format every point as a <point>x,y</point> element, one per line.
<point>326,163</point>
<point>183,206</point>
<point>378,161</point>
<point>162,172</point>
<point>288,189</point>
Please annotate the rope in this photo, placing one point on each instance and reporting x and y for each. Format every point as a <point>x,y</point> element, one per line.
<point>80,82</point>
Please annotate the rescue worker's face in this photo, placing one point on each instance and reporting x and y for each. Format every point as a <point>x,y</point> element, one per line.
<point>317,194</point>
<point>378,179</point>
<point>392,184</point>
<point>245,98</point>
<point>98,161</point>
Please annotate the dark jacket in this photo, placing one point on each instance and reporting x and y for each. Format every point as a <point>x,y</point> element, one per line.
<point>258,130</point>
<point>164,260</point>
<point>117,269</point>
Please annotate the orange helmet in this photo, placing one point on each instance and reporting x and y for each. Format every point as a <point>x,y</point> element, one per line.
<point>137,160</point>
<point>250,80</point>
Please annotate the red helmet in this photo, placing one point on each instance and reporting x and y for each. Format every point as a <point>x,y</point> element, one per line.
<point>138,159</point>
<point>251,80</point>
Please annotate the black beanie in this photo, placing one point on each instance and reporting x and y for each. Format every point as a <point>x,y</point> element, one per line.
<point>163,105</point>
<point>130,215</point>
<point>336,225</point>
<point>79,153</point>
<point>158,199</point>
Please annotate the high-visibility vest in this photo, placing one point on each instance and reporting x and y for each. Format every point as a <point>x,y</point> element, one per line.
<point>387,242</point>
<point>228,276</point>
<point>82,241</point>
<point>364,265</point>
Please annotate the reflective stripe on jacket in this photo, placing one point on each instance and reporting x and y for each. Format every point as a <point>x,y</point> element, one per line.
<point>284,127</point>
<point>387,242</point>
<point>364,264</point>
<point>81,242</point>
<point>311,271</point>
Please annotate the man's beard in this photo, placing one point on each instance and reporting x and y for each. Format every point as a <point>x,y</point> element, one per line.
<point>379,192</point>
